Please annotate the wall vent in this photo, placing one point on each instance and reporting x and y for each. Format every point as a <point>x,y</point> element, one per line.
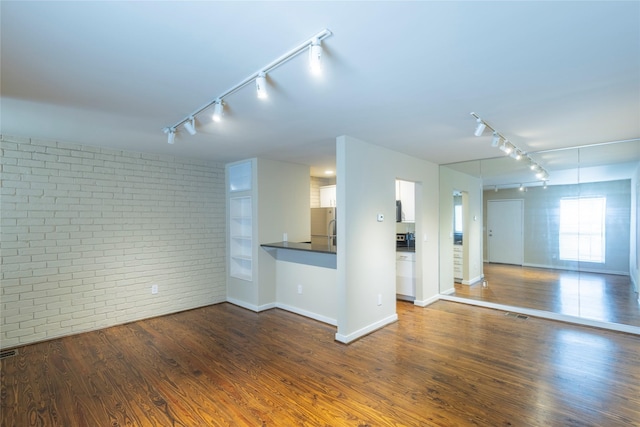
<point>516,315</point>
<point>8,353</point>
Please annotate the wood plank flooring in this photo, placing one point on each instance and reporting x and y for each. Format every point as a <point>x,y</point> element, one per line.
<point>447,364</point>
<point>603,297</point>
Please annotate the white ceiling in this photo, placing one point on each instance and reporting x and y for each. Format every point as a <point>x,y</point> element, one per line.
<point>404,75</point>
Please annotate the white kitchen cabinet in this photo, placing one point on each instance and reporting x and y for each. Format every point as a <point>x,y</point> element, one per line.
<point>405,192</point>
<point>328,196</point>
<point>406,275</point>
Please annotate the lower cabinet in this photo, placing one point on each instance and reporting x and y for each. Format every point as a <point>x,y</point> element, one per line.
<point>406,275</point>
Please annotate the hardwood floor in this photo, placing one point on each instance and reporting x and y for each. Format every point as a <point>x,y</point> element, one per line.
<point>444,365</point>
<point>603,297</point>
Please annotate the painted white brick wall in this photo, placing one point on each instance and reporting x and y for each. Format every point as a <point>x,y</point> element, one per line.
<point>85,231</point>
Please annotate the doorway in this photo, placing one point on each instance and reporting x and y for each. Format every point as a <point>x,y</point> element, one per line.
<point>505,231</point>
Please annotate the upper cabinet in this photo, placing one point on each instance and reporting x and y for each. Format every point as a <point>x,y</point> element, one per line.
<point>406,193</point>
<point>328,196</point>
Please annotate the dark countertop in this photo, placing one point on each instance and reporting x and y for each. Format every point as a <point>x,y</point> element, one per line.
<point>405,249</point>
<point>305,247</point>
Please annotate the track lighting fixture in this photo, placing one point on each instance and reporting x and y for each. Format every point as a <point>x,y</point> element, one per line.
<point>314,44</point>
<point>507,147</point>
<point>544,185</point>
<point>190,125</point>
<point>261,85</point>
<point>217,111</point>
<point>495,189</point>
<point>171,134</point>
<point>315,57</point>
<point>480,127</point>
<point>496,139</point>
<point>521,187</point>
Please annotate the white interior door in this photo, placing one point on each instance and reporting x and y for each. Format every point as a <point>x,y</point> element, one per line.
<point>504,231</point>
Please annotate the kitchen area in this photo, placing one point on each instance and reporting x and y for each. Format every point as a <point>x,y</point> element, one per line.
<point>405,241</point>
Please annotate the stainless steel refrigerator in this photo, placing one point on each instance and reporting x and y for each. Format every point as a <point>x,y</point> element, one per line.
<point>323,226</point>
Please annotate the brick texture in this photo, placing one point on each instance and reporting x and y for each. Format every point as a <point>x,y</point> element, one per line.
<point>86,231</point>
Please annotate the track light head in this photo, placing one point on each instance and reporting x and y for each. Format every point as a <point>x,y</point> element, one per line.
<point>496,139</point>
<point>480,127</point>
<point>315,57</point>
<point>190,125</point>
<point>218,108</point>
<point>171,135</point>
<point>521,187</point>
<point>261,85</point>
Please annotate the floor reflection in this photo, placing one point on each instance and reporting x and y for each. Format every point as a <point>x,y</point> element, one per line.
<point>602,297</point>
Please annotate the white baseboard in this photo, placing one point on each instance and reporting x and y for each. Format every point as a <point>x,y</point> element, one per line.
<point>584,270</point>
<point>346,339</point>
<point>618,327</point>
<point>309,314</point>
<point>473,281</point>
<point>252,307</point>
<point>429,301</point>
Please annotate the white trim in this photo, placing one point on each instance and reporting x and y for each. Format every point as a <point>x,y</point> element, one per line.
<point>429,301</point>
<point>580,270</point>
<point>449,291</point>
<point>473,281</point>
<point>346,339</point>
<point>309,314</point>
<point>548,315</point>
<point>251,307</point>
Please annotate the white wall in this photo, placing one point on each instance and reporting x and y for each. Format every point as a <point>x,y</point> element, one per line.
<point>366,177</point>
<point>542,221</point>
<point>318,296</point>
<point>86,231</point>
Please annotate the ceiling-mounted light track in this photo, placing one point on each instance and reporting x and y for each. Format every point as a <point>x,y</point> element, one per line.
<point>507,147</point>
<point>315,54</point>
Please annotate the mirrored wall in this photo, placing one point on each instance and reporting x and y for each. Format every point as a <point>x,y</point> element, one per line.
<point>566,245</point>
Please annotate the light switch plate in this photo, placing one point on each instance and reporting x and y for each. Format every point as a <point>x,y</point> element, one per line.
<point>380,217</point>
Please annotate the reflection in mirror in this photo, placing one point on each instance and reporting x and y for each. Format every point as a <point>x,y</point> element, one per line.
<point>566,245</point>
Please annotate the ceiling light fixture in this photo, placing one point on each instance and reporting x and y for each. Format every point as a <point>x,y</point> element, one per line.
<point>258,77</point>
<point>218,109</point>
<point>261,85</point>
<point>190,126</point>
<point>171,135</point>
<point>480,127</point>
<point>315,57</point>
<point>496,139</point>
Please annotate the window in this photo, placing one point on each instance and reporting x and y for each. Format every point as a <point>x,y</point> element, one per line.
<point>582,229</point>
<point>457,219</point>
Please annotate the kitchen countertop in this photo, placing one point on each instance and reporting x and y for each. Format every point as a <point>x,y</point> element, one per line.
<point>405,249</point>
<point>302,246</point>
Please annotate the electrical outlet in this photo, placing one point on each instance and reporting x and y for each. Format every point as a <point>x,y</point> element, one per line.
<point>299,289</point>
<point>154,289</point>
